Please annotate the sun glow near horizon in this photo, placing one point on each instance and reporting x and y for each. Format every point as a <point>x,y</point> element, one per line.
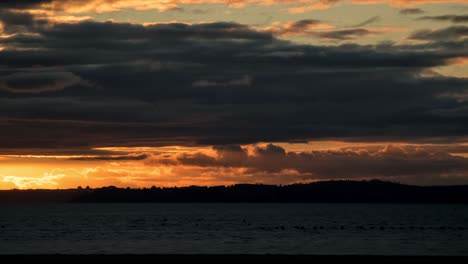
<point>277,163</point>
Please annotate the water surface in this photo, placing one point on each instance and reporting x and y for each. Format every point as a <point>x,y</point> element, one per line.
<point>370,229</point>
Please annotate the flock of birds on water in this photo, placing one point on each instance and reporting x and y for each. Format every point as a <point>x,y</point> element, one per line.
<point>198,222</point>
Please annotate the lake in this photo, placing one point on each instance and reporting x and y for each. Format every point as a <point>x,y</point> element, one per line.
<point>216,228</point>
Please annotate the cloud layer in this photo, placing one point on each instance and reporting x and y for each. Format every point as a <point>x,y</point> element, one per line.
<point>450,18</point>
<point>392,161</point>
<point>264,163</point>
<point>221,83</point>
<point>104,6</point>
<point>69,85</point>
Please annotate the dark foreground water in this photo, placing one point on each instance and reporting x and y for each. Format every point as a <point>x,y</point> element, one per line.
<point>373,229</point>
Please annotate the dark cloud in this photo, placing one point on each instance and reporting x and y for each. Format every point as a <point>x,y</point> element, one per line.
<point>16,18</point>
<point>39,81</point>
<point>14,4</point>
<point>231,155</point>
<point>444,34</point>
<point>305,27</point>
<point>197,159</point>
<point>219,83</point>
<point>165,32</point>
<point>120,45</point>
<point>71,151</point>
<point>270,149</point>
<point>345,34</point>
<point>128,157</point>
<point>18,21</point>
<point>227,156</point>
<point>450,18</point>
<point>368,21</point>
<point>303,24</point>
<point>308,27</point>
<point>392,161</point>
<point>242,81</point>
<point>411,11</point>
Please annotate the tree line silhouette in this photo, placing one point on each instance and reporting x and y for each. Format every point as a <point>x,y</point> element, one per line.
<point>374,191</point>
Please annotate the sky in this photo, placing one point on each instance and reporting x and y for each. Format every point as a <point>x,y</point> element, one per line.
<point>214,92</point>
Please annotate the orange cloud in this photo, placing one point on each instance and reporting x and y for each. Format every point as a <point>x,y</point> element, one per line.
<point>282,163</point>
<point>99,6</point>
<point>103,6</point>
<point>458,60</point>
<point>303,9</point>
<point>69,19</point>
<point>455,67</point>
<point>51,81</point>
<point>322,5</point>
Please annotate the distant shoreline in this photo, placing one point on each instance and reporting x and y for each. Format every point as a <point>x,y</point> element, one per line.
<point>373,191</point>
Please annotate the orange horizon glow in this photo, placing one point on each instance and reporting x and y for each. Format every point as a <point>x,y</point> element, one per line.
<point>163,167</point>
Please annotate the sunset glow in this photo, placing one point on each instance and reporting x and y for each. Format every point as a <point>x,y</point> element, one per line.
<point>279,163</point>
<point>213,92</point>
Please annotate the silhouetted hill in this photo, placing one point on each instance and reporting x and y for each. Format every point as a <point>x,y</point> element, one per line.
<point>327,192</point>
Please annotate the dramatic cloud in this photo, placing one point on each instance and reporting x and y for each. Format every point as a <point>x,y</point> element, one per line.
<point>402,163</point>
<point>265,163</point>
<point>444,34</point>
<point>87,102</point>
<point>218,83</point>
<point>451,18</point>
